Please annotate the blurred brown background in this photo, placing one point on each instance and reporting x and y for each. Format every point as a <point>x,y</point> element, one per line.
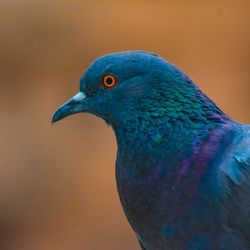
<point>57,185</point>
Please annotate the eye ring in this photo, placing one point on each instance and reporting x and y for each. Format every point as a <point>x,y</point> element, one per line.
<point>109,81</point>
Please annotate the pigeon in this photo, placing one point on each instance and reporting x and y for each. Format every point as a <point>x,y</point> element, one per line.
<point>182,165</point>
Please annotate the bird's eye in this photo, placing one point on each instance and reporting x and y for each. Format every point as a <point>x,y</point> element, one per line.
<point>109,81</point>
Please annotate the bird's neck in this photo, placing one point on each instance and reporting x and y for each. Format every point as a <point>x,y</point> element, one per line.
<point>168,137</point>
<point>141,133</point>
<point>167,125</point>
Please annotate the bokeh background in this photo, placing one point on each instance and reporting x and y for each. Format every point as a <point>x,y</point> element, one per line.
<point>57,184</point>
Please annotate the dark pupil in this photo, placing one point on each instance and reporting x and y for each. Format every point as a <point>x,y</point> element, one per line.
<point>109,80</point>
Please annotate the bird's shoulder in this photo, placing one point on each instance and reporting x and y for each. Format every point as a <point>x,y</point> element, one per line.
<point>234,182</point>
<point>235,166</point>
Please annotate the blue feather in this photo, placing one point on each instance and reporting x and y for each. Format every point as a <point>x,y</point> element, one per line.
<point>183,166</point>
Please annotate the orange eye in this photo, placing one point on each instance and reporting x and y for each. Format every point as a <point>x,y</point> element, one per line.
<point>109,81</point>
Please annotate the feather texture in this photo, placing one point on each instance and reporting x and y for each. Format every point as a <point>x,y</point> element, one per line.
<point>183,166</point>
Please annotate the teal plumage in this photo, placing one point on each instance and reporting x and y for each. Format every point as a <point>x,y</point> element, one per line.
<point>183,166</point>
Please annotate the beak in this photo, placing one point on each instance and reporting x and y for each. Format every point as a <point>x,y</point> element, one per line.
<point>74,105</point>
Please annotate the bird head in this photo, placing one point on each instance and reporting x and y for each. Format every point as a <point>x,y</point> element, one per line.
<point>114,85</point>
<point>131,85</point>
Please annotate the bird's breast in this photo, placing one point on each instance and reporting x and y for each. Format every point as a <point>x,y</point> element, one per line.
<point>170,196</point>
<point>153,200</point>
